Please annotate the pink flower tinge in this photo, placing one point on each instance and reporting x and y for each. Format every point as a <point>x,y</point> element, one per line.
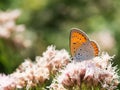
<point>7,82</point>
<point>9,30</point>
<point>98,72</point>
<point>30,74</point>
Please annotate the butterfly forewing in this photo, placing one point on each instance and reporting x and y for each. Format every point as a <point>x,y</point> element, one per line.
<point>77,38</point>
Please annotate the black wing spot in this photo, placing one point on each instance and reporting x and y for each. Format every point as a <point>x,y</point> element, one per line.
<point>79,54</point>
<point>74,43</point>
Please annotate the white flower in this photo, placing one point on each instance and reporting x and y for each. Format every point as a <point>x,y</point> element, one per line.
<point>98,71</point>
<point>6,82</point>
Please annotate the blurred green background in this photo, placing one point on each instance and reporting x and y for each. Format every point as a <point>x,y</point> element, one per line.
<point>48,22</point>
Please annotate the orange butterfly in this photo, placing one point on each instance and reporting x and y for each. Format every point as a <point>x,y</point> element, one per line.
<point>81,47</point>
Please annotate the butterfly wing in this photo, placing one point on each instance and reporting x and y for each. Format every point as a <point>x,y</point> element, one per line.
<point>81,47</point>
<point>95,47</point>
<point>77,38</point>
<point>84,52</point>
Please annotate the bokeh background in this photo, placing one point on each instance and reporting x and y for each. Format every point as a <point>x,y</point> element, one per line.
<point>27,27</point>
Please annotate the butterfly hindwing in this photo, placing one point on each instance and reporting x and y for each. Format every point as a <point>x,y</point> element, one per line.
<point>96,48</point>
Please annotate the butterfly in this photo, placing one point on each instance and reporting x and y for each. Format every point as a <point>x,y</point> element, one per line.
<point>81,47</point>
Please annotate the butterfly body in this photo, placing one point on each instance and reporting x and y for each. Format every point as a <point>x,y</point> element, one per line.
<point>81,47</point>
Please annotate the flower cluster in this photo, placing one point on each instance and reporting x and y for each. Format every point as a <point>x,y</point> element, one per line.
<point>96,74</point>
<point>7,82</point>
<point>9,30</point>
<point>32,74</point>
